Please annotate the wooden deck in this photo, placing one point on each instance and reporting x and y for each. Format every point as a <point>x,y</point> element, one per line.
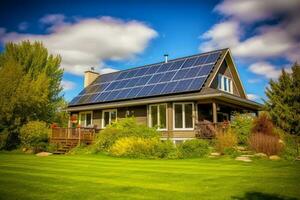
<point>71,137</point>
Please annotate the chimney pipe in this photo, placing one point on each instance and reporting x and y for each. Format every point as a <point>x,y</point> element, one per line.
<point>166,58</point>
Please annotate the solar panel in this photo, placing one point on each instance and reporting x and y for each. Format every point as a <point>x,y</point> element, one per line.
<point>176,76</point>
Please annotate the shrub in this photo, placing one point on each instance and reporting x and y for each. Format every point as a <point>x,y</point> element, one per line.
<point>166,149</point>
<point>193,148</point>
<point>225,140</point>
<point>3,139</point>
<point>291,146</point>
<point>263,143</point>
<point>241,125</point>
<point>127,127</point>
<point>134,147</point>
<point>232,152</point>
<point>34,135</point>
<point>205,129</point>
<point>263,124</point>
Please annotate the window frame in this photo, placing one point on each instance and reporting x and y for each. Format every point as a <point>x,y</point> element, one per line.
<point>85,112</point>
<point>221,85</point>
<point>183,116</point>
<point>158,116</point>
<point>109,111</point>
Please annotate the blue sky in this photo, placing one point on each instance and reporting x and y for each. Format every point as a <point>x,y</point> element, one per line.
<point>116,35</point>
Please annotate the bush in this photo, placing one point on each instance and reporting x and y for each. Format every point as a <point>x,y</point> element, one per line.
<point>193,148</point>
<point>127,127</point>
<point>263,143</point>
<point>34,135</point>
<point>263,124</point>
<point>232,152</point>
<point>3,139</point>
<point>291,147</point>
<point>134,147</point>
<point>241,125</point>
<point>225,140</point>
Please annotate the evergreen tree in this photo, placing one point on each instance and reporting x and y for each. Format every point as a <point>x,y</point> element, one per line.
<point>283,101</point>
<point>29,86</point>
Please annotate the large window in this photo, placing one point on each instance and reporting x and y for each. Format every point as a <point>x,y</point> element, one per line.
<point>225,83</point>
<point>85,119</point>
<point>158,116</point>
<point>183,116</point>
<point>108,116</point>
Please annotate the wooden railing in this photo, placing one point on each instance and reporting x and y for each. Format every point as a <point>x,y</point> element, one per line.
<point>73,133</point>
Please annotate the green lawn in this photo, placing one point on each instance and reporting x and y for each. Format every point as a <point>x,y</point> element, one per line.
<point>101,177</point>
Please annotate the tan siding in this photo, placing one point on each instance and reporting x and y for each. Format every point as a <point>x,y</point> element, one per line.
<point>224,69</point>
<point>139,112</point>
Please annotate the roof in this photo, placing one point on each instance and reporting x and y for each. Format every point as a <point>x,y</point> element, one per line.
<point>177,76</point>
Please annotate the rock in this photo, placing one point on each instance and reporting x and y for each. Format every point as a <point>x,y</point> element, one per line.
<point>246,155</point>
<point>274,157</point>
<point>243,158</point>
<point>261,155</point>
<point>215,154</point>
<point>24,149</point>
<point>298,158</point>
<point>240,148</point>
<point>43,154</point>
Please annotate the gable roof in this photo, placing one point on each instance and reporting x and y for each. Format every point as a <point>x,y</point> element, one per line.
<point>177,76</point>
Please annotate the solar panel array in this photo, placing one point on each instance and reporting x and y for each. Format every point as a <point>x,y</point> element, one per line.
<point>176,76</point>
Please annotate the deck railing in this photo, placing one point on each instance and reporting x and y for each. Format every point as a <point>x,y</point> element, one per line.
<point>73,133</point>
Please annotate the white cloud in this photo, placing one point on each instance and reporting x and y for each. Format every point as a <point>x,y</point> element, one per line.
<point>23,26</point>
<point>89,43</point>
<point>281,39</point>
<point>68,85</point>
<point>255,80</point>
<point>107,70</point>
<point>255,10</point>
<point>265,69</point>
<point>253,97</point>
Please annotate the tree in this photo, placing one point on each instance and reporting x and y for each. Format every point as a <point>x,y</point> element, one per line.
<point>283,101</point>
<point>29,86</point>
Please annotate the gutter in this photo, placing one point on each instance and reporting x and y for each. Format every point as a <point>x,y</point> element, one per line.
<point>222,96</point>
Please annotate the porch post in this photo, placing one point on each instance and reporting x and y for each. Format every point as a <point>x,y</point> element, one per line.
<point>214,112</point>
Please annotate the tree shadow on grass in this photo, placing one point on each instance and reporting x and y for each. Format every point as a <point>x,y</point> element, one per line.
<point>263,196</point>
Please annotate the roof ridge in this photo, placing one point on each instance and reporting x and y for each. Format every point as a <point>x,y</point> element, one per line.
<point>172,60</point>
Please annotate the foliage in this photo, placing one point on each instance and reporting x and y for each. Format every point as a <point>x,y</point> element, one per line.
<point>34,87</point>
<point>205,129</point>
<point>291,147</point>
<point>225,140</point>
<point>61,117</point>
<point>283,101</point>
<point>3,139</point>
<point>34,135</point>
<point>195,148</point>
<point>136,147</point>
<point>127,127</point>
<point>232,152</point>
<point>265,143</point>
<point>82,149</point>
<point>241,125</point>
<point>263,124</point>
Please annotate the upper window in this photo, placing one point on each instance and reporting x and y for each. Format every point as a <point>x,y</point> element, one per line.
<point>224,83</point>
<point>85,119</point>
<point>108,116</point>
<point>183,116</point>
<point>158,116</point>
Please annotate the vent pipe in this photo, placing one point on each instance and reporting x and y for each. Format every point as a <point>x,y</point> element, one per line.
<point>166,58</point>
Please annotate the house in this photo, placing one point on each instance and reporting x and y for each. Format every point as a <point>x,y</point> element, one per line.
<point>172,95</point>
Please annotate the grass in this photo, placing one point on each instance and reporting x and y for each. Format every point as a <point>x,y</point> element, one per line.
<point>102,177</point>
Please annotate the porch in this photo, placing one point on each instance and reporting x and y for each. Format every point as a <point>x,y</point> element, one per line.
<point>67,138</point>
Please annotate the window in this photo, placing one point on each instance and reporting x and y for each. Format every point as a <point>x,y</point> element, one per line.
<point>85,119</point>
<point>108,116</point>
<point>158,116</point>
<point>224,83</point>
<point>183,116</point>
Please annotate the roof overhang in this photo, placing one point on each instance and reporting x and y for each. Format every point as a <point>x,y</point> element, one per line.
<point>182,97</point>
